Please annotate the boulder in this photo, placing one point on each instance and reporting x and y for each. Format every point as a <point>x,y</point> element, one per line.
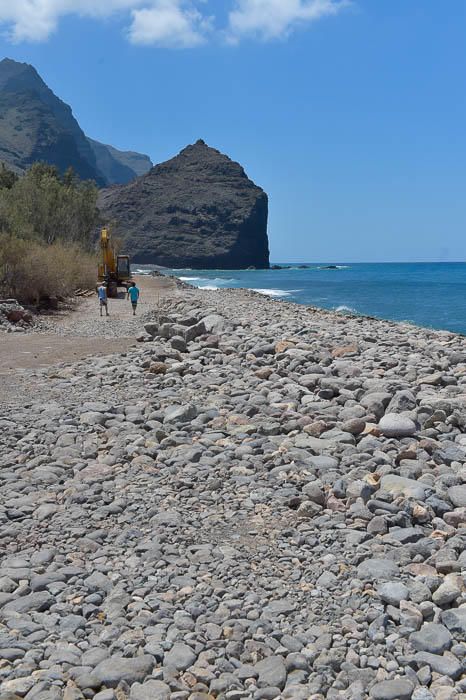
<point>378,569</point>
<point>401,486</point>
<point>180,657</point>
<point>398,689</point>
<point>396,425</point>
<point>272,672</point>
<point>116,669</point>
<point>431,637</point>
<point>457,495</point>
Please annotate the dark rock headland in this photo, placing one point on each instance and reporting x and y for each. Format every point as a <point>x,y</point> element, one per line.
<point>197,210</point>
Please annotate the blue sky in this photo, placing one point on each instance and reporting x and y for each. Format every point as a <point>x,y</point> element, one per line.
<point>351,115</point>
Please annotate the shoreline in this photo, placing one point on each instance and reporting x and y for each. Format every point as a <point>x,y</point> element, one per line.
<point>316,309</point>
<point>250,503</point>
<point>429,297</point>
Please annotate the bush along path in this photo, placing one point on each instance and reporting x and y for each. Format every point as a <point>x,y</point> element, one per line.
<point>260,501</point>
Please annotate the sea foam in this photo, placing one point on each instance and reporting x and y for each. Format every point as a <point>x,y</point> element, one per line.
<point>275,292</point>
<point>343,309</point>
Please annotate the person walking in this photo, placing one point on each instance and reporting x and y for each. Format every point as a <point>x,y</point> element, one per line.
<point>103,298</point>
<point>133,294</point>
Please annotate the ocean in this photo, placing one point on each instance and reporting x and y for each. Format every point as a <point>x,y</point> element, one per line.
<point>426,294</point>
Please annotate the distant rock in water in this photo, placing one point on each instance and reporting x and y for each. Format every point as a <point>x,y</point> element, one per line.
<point>35,125</point>
<point>197,210</point>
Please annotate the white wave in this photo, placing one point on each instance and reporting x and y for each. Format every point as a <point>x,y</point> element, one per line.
<point>210,287</point>
<point>276,292</point>
<point>198,281</point>
<point>346,309</point>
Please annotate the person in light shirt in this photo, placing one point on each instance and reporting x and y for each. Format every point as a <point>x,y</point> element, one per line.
<point>103,299</point>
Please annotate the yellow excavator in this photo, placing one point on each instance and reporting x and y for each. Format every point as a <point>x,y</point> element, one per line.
<point>114,269</point>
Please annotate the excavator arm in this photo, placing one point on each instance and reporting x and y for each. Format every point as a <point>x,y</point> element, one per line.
<point>108,263</point>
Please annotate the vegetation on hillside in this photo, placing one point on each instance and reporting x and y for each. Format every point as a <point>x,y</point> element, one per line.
<point>46,233</point>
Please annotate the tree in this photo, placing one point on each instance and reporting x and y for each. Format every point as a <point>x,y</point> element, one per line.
<point>44,207</point>
<point>7,178</point>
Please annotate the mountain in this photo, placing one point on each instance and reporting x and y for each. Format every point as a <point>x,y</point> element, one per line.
<point>114,170</point>
<point>197,210</point>
<point>35,125</point>
<point>136,162</point>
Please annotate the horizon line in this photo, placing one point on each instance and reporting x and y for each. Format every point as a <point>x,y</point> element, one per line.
<point>374,262</point>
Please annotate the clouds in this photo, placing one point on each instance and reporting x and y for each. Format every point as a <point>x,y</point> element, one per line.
<point>168,23</point>
<point>36,20</point>
<point>276,19</point>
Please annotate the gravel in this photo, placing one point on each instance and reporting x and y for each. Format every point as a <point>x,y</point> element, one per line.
<point>222,511</point>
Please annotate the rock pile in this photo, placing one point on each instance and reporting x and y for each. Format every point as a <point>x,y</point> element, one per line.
<point>13,317</point>
<point>261,501</point>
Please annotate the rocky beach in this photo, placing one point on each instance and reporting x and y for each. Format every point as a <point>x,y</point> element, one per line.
<point>255,500</point>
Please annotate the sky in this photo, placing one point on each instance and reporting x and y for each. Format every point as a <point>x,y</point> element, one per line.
<point>351,114</point>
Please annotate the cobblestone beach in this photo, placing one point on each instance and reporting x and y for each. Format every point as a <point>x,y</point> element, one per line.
<point>258,500</point>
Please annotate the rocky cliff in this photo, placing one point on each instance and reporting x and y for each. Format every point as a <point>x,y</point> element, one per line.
<point>119,167</point>
<point>197,210</point>
<point>35,125</point>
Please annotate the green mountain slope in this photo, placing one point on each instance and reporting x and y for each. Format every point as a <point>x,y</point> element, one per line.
<point>35,125</point>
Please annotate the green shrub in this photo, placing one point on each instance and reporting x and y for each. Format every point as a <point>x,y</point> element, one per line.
<point>31,271</point>
<point>47,224</point>
<point>46,207</point>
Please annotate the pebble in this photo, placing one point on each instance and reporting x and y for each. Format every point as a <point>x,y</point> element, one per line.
<point>251,503</point>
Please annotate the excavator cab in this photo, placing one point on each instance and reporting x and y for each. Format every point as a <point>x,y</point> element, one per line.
<point>123,267</point>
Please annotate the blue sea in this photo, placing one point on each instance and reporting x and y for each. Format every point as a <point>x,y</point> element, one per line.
<point>426,294</point>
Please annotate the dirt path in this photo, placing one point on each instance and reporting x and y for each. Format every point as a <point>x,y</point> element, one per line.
<point>82,333</point>
<point>86,320</point>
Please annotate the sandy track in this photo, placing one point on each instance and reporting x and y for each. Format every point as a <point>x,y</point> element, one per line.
<point>81,333</point>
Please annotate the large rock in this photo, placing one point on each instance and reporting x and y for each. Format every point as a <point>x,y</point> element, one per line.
<point>150,690</point>
<point>197,210</point>
<point>457,495</point>
<point>396,425</point>
<point>398,689</point>
<point>378,569</point>
<point>401,486</point>
<point>445,665</point>
<point>272,672</point>
<point>114,670</point>
<point>431,637</point>
<point>34,602</point>
<point>393,592</point>
<point>455,619</point>
<point>180,657</point>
